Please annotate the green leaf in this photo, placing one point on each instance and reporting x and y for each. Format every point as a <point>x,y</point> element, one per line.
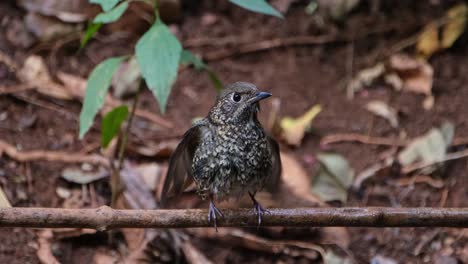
<point>111,123</point>
<point>158,54</point>
<point>259,6</point>
<point>112,15</point>
<point>333,179</point>
<point>96,89</point>
<point>105,4</point>
<point>90,31</point>
<point>187,57</point>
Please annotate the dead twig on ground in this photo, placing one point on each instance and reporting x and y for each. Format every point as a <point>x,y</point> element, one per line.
<point>352,137</point>
<point>371,140</point>
<point>55,156</point>
<point>269,44</point>
<point>104,217</point>
<point>422,165</point>
<point>5,90</point>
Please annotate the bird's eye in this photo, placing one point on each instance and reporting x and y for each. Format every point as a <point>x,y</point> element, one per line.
<point>236,97</point>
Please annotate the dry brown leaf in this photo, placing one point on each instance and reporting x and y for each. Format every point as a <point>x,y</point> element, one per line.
<point>102,256</point>
<point>193,255</point>
<point>4,203</point>
<point>47,28</point>
<point>417,75</point>
<point>296,179</point>
<point>44,252</point>
<point>72,11</point>
<point>364,78</point>
<point>382,109</point>
<point>35,72</point>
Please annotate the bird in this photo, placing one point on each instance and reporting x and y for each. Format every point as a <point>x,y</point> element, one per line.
<point>227,154</point>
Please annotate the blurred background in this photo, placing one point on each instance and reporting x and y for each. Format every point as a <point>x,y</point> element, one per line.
<point>369,104</point>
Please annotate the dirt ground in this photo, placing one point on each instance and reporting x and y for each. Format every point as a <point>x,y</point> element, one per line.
<point>300,76</point>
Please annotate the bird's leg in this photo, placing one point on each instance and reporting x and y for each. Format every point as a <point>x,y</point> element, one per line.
<point>213,213</point>
<point>258,208</point>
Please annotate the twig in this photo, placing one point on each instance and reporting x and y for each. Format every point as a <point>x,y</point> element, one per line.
<point>56,156</point>
<point>4,90</point>
<point>337,138</point>
<point>116,180</point>
<point>269,44</point>
<point>104,217</point>
<point>448,157</point>
<point>370,140</point>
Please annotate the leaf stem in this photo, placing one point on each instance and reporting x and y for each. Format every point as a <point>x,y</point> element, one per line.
<point>115,180</point>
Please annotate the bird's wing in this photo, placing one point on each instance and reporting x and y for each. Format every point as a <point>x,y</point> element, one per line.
<point>274,181</point>
<point>179,172</point>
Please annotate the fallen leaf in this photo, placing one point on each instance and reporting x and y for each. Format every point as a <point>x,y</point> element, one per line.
<point>379,259</point>
<point>242,239</point>
<point>430,147</point>
<point>333,178</point>
<point>4,203</point>
<point>162,149</point>
<point>457,16</point>
<point>35,72</point>
<point>103,257</point>
<point>63,193</point>
<point>83,177</point>
<point>428,102</point>
<point>364,78</point>
<point>337,9</point>
<point>421,82</point>
<point>47,28</point>
<point>394,80</point>
<point>150,173</point>
<point>193,254</point>
<point>293,130</point>
<point>417,75</point>
<point>127,79</point>
<point>428,41</point>
<point>44,252</point>
<point>137,194</point>
<point>72,11</point>
<point>331,258</point>
<point>381,109</point>
<point>296,178</point>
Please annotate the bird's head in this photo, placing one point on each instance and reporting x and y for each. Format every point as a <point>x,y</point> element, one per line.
<point>237,103</point>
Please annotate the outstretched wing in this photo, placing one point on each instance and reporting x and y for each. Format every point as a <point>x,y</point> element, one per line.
<point>273,182</point>
<point>179,174</point>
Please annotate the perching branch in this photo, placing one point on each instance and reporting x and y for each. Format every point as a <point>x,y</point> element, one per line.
<point>104,218</point>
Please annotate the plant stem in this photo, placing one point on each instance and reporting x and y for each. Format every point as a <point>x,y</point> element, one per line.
<point>116,185</point>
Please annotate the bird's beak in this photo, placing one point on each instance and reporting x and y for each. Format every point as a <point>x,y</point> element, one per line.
<point>259,96</point>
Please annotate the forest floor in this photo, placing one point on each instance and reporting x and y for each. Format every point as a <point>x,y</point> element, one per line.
<point>300,76</point>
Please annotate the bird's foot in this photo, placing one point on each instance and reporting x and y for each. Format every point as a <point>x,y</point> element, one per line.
<point>258,209</point>
<point>213,214</point>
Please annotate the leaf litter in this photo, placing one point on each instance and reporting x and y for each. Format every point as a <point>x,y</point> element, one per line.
<point>333,177</point>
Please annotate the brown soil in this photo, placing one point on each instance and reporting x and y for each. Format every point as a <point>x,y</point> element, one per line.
<point>299,76</point>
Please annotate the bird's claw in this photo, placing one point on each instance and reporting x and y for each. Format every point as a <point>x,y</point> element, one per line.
<point>259,211</point>
<point>213,213</point>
